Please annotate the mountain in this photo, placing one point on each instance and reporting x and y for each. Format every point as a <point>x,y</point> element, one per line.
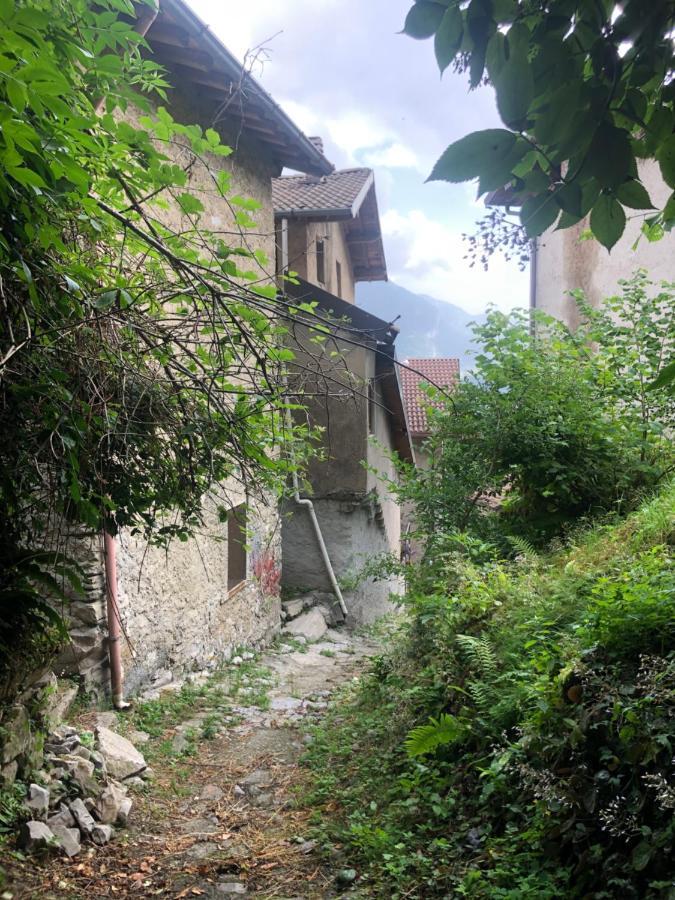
<point>428,327</point>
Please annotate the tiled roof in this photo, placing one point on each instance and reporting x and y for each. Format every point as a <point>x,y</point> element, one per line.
<point>338,191</point>
<point>443,372</point>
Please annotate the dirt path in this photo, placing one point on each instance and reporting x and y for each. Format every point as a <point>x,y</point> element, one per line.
<point>220,818</point>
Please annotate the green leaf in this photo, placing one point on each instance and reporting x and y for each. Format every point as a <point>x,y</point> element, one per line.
<point>641,856</point>
<point>537,214</point>
<point>17,93</point>
<point>437,733</point>
<point>190,204</point>
<point>27,177</point>
<point>448,37</point>
<point>476,154</point>
<point>423,19</point>
<point>665,378</point>
<point>632,193</point>
<point>515,89</point>
<point>666,157</point>
<point>610,156</point>
<point>608,220</point>
<point>569,199</point>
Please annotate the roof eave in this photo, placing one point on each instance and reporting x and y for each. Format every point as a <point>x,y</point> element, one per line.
<point>302,149</point>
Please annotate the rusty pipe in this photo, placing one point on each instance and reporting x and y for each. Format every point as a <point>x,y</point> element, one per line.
<point>113,619</point>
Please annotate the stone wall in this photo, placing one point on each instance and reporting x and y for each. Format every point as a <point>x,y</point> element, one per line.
<point>175,608</point>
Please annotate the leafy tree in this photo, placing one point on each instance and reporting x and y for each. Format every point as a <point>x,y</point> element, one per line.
<point>551,426</point>
<point>584,89</point>
<point>141,364</point>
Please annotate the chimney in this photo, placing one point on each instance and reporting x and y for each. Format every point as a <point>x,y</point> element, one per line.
<point>318,143</point>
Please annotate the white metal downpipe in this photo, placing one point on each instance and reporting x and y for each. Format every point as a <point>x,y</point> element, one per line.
<point>305,501</point>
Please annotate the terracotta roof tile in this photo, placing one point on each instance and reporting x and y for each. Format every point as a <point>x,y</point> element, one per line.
<point>336,191</point>
<point>441,371</point>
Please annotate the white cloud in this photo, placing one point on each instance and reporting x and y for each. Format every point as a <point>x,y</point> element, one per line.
<point>394,156</point>
<point>427,257</point>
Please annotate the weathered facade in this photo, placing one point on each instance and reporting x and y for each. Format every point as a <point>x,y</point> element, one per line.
<point>189,606</point>
<point>358,404</point>
<point>328,232</point>
<point>562,261</point>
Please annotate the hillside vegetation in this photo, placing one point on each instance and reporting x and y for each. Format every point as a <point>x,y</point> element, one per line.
<point>517,740</point>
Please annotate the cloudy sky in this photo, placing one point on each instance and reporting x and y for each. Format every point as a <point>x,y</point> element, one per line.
<point>340,69</point>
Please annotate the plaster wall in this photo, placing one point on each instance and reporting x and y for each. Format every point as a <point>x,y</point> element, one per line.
<point>359,518</point>
<point>565,263</point>
<point>380,446</point>
<point>302,257</point>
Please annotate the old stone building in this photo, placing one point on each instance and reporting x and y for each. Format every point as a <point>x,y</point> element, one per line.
<point>328,232</point>
<point>189,606</point>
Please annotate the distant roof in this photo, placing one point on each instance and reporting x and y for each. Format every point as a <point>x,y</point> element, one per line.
<point>182,42</point>
<point>346,196</point>
<point>442,371</point>
<point>339,194</point>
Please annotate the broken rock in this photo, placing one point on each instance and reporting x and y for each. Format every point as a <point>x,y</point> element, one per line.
<point>64,818</point>
<point>122,759</point>
<point>82,816</point>
<point>101,834</point>
<point>109,803</point>
<point>37,801</point>
<point>35,836</point>
<point>68,839</point>
<point>310,625</point>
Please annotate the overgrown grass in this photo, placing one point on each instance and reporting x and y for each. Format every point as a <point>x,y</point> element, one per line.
<point>517,739</point>
<point>244,685</point>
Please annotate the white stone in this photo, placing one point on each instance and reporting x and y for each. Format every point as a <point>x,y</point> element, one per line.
<point>82,816</point>
<point>35,836</point>
<point>125,810</point>
<point>122,759</point>
<point>293,608</point>
<point>109,803</point>
<point>310,625</point>
<point>37,801</point>
<point>68,839</point>
<point>101,834</point>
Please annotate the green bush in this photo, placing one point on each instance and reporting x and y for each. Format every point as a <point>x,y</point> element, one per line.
<point>551,427</point>
<point>518,740</point>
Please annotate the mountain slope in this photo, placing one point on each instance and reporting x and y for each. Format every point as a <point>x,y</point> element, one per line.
<point>428,327</point>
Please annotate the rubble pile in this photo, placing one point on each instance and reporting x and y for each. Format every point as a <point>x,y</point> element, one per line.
<point>311,615</point>
<point>84,791</point>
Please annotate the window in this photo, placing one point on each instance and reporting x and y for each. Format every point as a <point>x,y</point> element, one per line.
<point>320,262</point>
<point>236,547</point>
<point>371,405</point>
<point>338,278</point>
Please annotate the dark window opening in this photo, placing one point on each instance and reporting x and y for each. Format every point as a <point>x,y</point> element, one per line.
<point>320,262</point>
<point>236,547</point>
<point>338,277</point>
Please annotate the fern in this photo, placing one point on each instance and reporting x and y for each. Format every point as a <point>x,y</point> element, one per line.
<point>480,655</point>
<point>438,732</point>
<point>523,548</point>
<point>482,660</point>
